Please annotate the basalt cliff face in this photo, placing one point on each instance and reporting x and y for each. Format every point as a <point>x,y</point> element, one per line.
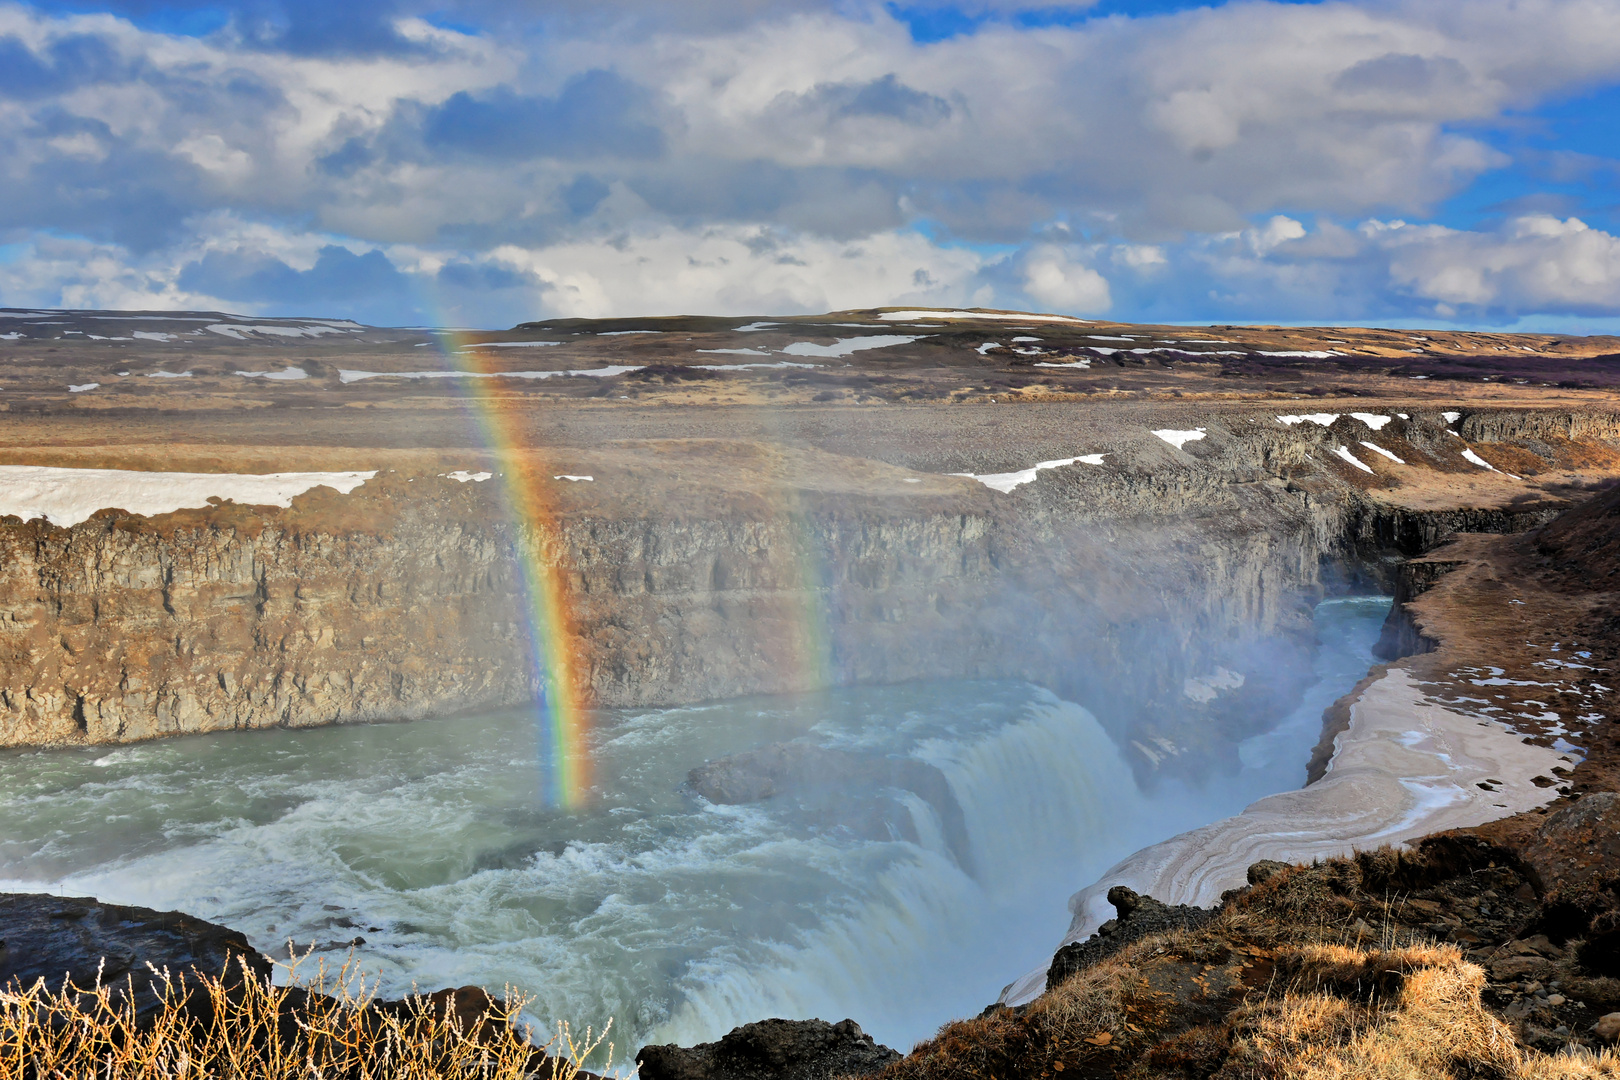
<point>722,569</point>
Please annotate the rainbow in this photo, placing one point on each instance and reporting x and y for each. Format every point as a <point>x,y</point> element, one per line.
<point>563,718</point>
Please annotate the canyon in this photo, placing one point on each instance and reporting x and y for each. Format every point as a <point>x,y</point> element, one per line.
<point>717,523</point>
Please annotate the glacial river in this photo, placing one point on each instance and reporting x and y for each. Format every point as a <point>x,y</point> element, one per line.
<point>677,918</point>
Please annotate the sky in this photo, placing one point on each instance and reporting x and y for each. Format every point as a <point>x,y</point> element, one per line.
<point>486,162</point>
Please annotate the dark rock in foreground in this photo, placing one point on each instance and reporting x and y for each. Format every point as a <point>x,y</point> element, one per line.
<point>49,937</point>
<point>772,1050</point>
<point>79,938</point>
<point>1139,916</point>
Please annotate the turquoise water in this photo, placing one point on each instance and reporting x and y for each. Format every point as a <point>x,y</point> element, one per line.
<point>676,917</point>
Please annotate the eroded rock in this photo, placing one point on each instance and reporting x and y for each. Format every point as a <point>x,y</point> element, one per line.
<point>79,939</point>
<point>771,1050</point>
<point>1138,916</point>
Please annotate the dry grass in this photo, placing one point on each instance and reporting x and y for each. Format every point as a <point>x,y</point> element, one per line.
<point>1084,1018</point>
<point>245,1028</point>
<point>1401,1014</point>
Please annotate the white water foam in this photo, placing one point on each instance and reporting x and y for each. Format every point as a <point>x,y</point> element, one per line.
<point>679,918</point>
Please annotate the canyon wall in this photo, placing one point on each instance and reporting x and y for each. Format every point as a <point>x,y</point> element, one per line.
<point>1113,586</point>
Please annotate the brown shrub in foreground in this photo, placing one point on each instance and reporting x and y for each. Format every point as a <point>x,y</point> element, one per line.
<point>1399,1014</point>
<point>205,1028</point>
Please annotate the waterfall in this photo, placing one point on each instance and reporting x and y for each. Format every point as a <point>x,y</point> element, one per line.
<point>1047,800</point>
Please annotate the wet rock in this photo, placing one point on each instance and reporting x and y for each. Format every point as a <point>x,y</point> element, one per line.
<point>771,1050</point>
<point>1138,916</point>
<point>56,937</point>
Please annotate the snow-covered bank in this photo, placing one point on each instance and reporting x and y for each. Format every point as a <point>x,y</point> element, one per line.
<point>66,497</point>
<point>1404,768</point>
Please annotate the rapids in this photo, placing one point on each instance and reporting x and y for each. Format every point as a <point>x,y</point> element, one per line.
<point>678,918</point>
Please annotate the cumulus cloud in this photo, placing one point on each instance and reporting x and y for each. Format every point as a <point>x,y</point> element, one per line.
<point>1055,280</point>
<point>1536,263</point>
<point>1216,158</point>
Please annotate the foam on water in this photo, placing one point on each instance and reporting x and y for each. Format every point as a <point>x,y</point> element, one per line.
<point>678,918</point>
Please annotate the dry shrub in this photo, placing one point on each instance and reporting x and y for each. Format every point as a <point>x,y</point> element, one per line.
<point>1397,1014</point>
<point>1084,1017</point>
<point>246,1028</point>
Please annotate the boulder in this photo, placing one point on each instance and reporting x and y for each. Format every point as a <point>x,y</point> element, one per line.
<point>80,938</point>
<point>771,1050</point>
<point>1576,848</point>
<point>1514,968</point>
<point>1264,869</point>
<point>1138,916</point>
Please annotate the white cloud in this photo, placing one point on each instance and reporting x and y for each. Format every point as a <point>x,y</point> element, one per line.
<point>1534,263</point>
<point>774,157</point>
<point>1058,282</point>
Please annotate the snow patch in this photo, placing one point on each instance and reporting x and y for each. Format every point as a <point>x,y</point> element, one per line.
<point>1312,355</point>
<point>81,388</point>
<point>1005,482</point>
<point>566,476</point>
<point>992,316</point>
<point>845,346</point>
<point>1344,452</point>
<point>1452,417</point>
<point>1204,688</point>
<point>1375,448</point>
<point>1178,439</point>
<point>1469,455</point>
<point>1375,421</point>
<point>237,330</point>
<point>291,374</point>
<point>152,335</point>
<point>1322,418</point>
<point>462,475</point>
<point>737,352</point>
<point>987,346</point>
<point>168,374</point>
<point>66,497</point>
<point>1083,365</point>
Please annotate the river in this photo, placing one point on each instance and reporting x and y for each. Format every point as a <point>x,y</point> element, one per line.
<point>675,917</point>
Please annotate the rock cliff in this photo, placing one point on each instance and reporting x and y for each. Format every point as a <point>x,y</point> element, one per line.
<point>725,568</point>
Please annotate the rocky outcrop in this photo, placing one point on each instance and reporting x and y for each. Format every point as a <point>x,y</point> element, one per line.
<point>81,940</point>
<point>124,628</point>
<point>1138,916</point>
<point>772,572</point>
<point>772,1050</point>
<point>1401,635</point>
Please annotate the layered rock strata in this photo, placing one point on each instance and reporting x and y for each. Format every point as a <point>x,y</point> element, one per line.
<point>697,570</point>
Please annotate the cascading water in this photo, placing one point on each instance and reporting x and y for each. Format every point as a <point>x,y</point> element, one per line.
<point>677,917</point>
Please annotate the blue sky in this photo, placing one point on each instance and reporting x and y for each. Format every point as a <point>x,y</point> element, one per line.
<point>1395,162</point>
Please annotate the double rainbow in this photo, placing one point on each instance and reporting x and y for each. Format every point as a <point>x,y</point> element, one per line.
<point>526,489</point>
